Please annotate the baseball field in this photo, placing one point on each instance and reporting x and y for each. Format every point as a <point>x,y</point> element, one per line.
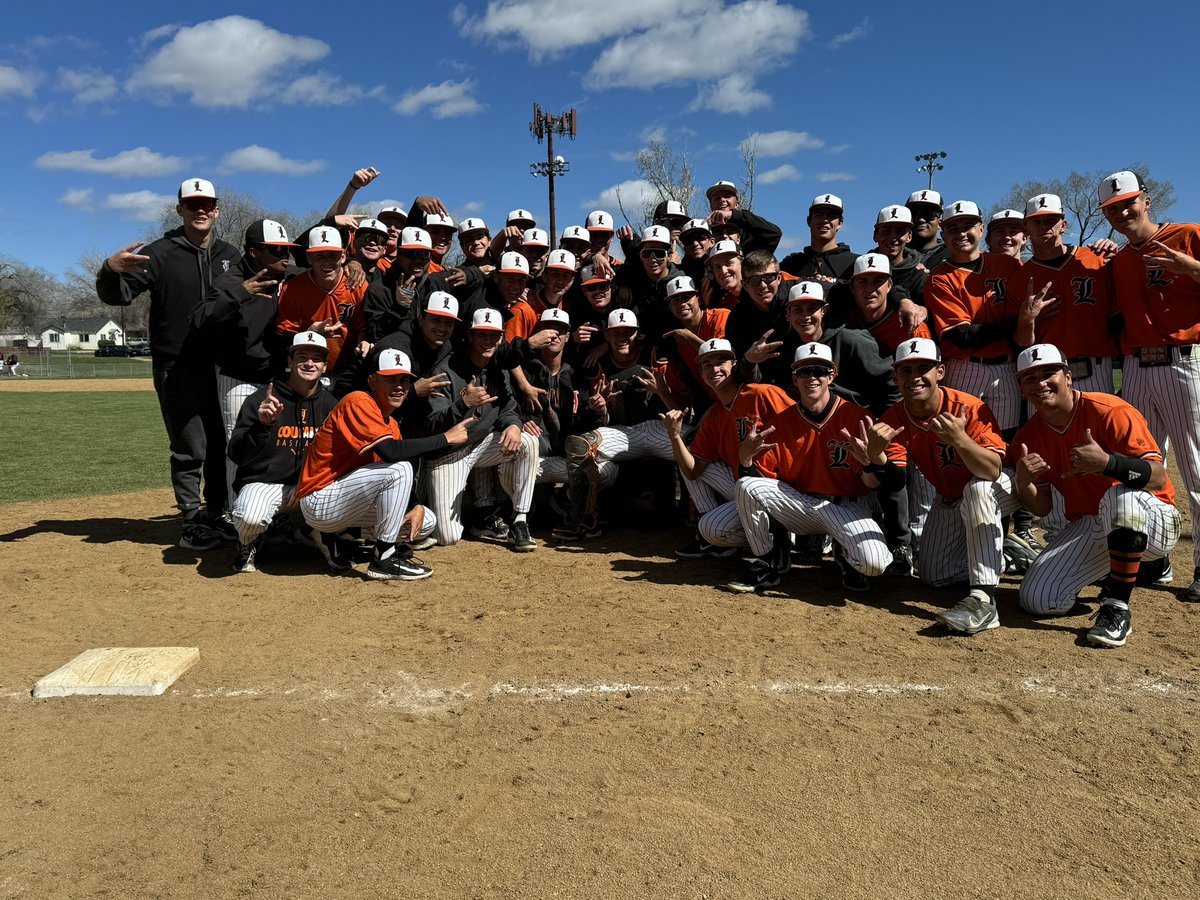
<point>599,722</point>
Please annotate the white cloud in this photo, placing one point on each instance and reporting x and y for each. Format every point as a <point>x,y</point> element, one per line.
<point>263,159</point>
<point>826,177</point>
<point>323,89</point>
<point>371,207</point>
<point>862,29</point>
<point>786,172</point>
<point>17,81</point>
<point>735,93</point>
<point>838,148</point>
<point>140,206</point>
<point>443,101</point>
<point>77,198</point>
<point>140,162</point>
<point>471,207</point>
<point>226,62</point>
<point>633,195</point>
<point>783,143</point>
<point>86,85</point>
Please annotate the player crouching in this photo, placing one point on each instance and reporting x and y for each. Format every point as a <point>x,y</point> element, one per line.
<point>814,479</point>
<point>1097,452</point>
<point>357,473</point>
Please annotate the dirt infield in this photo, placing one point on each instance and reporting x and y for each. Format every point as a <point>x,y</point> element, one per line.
<point>599,723</point>
<point>65,385</point>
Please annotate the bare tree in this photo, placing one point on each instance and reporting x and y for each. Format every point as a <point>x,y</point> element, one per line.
<point>27,295</point>
<point>237,212</point>
<point>749,148</point>
<point>1080,195</point>
<point>669,173</point>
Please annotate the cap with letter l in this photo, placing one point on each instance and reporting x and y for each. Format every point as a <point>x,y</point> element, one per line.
<point>563,260</point>
<point>535,237</point>
<point>413,238</point>
<point>831,200</point>
<point>806,290</point>
<point>696,225</point>
<point>930,198</point>
<point>392,212</point>
<point>1005,215</point>
<point>513,263</point>
<point>813,353</point>
<point>589,275</point>
<point>917,348</point>
<point>669,209</point>
<point>679,286</point>
<point>437,220</point>
<point>372,225</point>
<point>656,234</point>
<point>599,220</point>
<point>1120,186</point>
<point>197,188</point>
<point>467,226</point>
<point>522,218</point>
<point>554,317</point>
<point>268,232</point>
<point>715,346</point>
<point>721,187</point>
<point>961,209</point>
<point>442,303</point>
<point>1039,355</point>
<point>1043,205</point>
<point>487,319</point>
<point>309,339</point>
<point>894,213</point>
<point>575,233</point>
<point>394,362</point>
<point>721,249</point>
<point>871,264</point>
<point>324,239</point>
<point>622,318</point>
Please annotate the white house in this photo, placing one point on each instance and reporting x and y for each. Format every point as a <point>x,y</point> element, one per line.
<point>80,334</point>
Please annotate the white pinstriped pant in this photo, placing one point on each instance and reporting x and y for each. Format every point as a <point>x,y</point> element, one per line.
<point>963,541</point>
<point>231,394</point>
<point>376,495</point>
<point>446,480</point>
<point>553,470</point>
<point>714,494</point>
<point>645,439</point>
<point>921,495</point>
<point>256,506</point>
<point>1169,399</point>
<point>1101,379</point>
<point>1078,555</point>
<point>763,500</point>
<point>995,384</point>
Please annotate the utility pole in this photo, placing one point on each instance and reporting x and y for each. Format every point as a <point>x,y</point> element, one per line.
<point>545,125</point>
<point>929,164</point>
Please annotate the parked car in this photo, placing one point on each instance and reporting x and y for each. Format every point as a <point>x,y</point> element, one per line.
<point>139,348</point>
<point>113,350</point>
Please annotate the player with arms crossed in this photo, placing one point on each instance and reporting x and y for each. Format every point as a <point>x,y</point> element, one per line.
<point>1097,452</point>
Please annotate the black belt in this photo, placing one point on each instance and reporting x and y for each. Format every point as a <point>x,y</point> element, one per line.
<point>989,360</point>
<point>1161,355</point>
<point>1092,359</point>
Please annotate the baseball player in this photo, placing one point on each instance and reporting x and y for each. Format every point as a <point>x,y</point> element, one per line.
<point>476,242</point>
<point>590,321</point>
<point>600,229</point>
<point>644,282</point>
<point>1005,233</point>
<point>1156,276</point>
<point>722,286</point>
<point>875,307</point>
<point>558,276</point>
<point>1097,452</point>
<point>726,212</point>
<point>535,246</point>
<point>178,269</point>
<point>926,209</point>
<point>441,229</point>
<point>274,427</point>
<point>696,238</point>
<point>479,384</point>
<point>893,234</point>
<point>694,326</point>
<point>954,439</point>
<point>357,473</point>
<point>825,259</point>
<point>370,241</point>
<point>808,480</point>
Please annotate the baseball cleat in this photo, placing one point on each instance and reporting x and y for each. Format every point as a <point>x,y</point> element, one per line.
<point>971,615</point>
<point>198,536</point>
<point>758,575</point>
<point>854,580</point>
<point>1112,626</point>
<point>584,531</point>
<point>699,549</point>
<point>422,543</point>
<point>489,526</point>
<point>246,555</point>
<point>902,562</point>
<point>1155,571</point>
<point>397,567</point>
<point>1193,591</point>
<point>334,549</point>
<point>1026,537</point>
<point>521,540</point>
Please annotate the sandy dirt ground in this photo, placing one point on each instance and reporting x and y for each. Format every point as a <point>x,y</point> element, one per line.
<point>574,723</point>
<point>69,385</point>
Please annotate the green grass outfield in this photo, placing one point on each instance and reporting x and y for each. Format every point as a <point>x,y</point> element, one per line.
<point>81,443</point>
<point>80,364</point>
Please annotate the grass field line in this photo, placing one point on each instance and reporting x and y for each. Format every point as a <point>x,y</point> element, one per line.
<point>413,694</point>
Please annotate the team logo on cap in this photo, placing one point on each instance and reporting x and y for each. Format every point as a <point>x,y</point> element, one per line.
<point>324,236</point>
<point>1033,357</point>
<point>812,349</point>
<point>621,318</point>
<point>826,200</point>
<point>487,317</point>
<point>894,212</point>
<point>196,185</point>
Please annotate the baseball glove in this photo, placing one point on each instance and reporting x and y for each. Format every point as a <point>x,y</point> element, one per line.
<point>582,449</point>
<point>1017,556</point>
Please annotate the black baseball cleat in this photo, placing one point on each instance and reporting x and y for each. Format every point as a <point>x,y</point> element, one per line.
<point>522,541</point>
<point>1112,626</point>
<point>1193,591</point>
<point>489,525</point>
<point>197,535</point>
<point>758,575</point>
<point>398,567</point>
<point>901,565</point>
<point>246,556</point>
<point>337,552</point>
<point>1155,571</point>
<point>699,549</point>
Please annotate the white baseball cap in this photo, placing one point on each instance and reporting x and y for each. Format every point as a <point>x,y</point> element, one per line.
<point>309,339</point>
<point>575,233</point>
<point>442,303</point>
<point>826,200</point>
<point>589,275</point>
<point>393,212</point>
<point>812,353</point>
<point>197,187</point>
<point>394,362</point>
<point>680,284</point>
<point>894,213</point>
<point>1006,215</point>
<point>466,226</point>
<point>521,217</point>
<point>487,319</point>
<point>917,348</point>
<point>599,220</point>
<point>372,225</point>
<point>696,225</point>
<point>556,317</point>
<point>324,238</point>
<point>1118,186</point>
<point>670,209</point>
<point>413,238</point>
<point>871,264</point>
<point>1040,355</point>
<point>535,237</point>
<point>724,248</point>
<point>716,345</point>
<point>657,234</point>
<point>1043,205</point>
<point>561,259</point>
<point>933,198</point>
<point>514,263</point>
<point>806,290</point>
<point>437,220</point>
<point>961,209</point>
<point>622,318</point>
<point>720,187</point>
<point>268,232</point>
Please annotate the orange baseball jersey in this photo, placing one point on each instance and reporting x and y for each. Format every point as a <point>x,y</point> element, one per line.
<point>723,428</point>
<point>722,299</point>
<point>522,322</point>
<point>937,460</point>
<point>813,457</point>
<point>1082,283</point>
<point>303,302</point>
<point>971,293</point>
<point>344,442</point>
<point>712,325</point>
<point>384,263</point>
<point>889,331</point>
<point>1159,308</point>
<point>1115,425</point>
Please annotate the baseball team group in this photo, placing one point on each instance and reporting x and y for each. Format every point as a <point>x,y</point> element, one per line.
<point>913,411</point>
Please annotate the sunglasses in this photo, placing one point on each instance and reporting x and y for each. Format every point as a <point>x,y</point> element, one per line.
<point>273,250</point>
<point>370,237</point>
<point>812,372</point>
<point>416,254</point>
<point>599,287</point>
<point>200,205</point>
<point>654,254</point>
<point>765,278</point>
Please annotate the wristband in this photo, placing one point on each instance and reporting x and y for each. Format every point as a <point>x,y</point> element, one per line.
<point>1130,471</point>
<point>875,468</point>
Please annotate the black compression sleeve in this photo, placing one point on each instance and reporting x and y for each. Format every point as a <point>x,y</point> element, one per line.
<point>393,450</point>
<point>1131,471</point>
<point>968,337</point>
<point>891,476</point>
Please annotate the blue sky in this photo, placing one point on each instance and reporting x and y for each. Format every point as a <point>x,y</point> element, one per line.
<point>107,109</point>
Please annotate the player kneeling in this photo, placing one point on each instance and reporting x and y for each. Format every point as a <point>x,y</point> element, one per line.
<point>357,473</point>
<point>1097,452</point>
<point>812,480</point>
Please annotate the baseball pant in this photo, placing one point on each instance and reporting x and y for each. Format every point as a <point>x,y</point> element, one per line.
<point>921,495</point>
<point>761,501</point>
<point>1169,399</point>
<point>1101,379</point>
<point>255,508</point>
<point>624,442</point>
<point>995,384</point>
<point>447,479</point>
<point>187,399</point>
<point>231,394</point>
<point>553,470</point>
<point>1078,555</point>
<point>375,495</point>
<point>713,494</point>
<point>963,541</point>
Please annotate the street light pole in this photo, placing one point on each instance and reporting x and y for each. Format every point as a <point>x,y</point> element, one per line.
<point>929,164</point>
<point>546,125</point>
